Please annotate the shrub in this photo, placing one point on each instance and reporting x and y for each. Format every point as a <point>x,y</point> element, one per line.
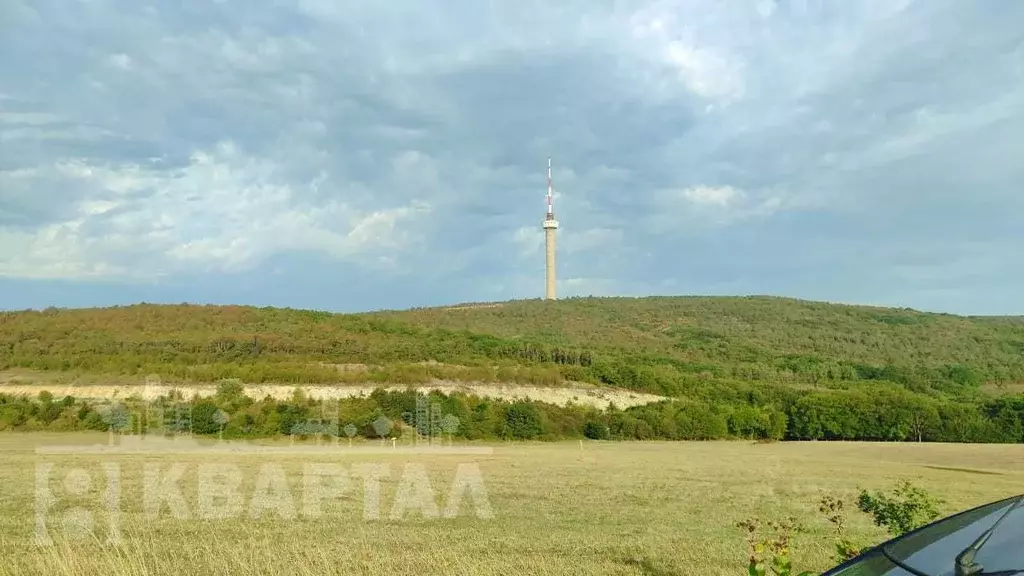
<point>204,418</point>
<point>908,508</point>
<point>832,508</point>
<point>596,431</point>
<point>522,421</point>
<point>772,552</point>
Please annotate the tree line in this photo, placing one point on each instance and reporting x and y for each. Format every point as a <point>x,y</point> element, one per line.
<point>880,414</point>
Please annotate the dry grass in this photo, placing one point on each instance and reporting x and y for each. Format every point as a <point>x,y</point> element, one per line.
<point>608,508</point>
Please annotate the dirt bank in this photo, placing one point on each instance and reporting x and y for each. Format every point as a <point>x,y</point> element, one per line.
<point>581,395</point>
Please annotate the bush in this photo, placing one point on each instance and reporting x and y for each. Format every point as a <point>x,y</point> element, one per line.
<point>596,431</point>
<point>204,418</point>
<point>832,508</point>
<point>522,421</point>
<point>771,553</point>
<point>906,509</point>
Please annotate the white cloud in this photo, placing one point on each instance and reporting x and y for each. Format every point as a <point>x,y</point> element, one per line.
<point>699,210</point>
<point>704,71</point>
<point>766,8</point>
<point>712,195</point>
<point>223,211</point>
<point>122,61</point>
<point>26,118</point>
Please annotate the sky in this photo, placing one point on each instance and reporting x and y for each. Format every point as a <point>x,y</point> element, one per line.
<point>352,156</point>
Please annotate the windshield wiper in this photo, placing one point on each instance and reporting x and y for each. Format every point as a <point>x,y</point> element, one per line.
<point>965,564</point>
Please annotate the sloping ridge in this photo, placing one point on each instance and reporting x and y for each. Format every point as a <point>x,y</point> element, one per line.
<point>661,345</point>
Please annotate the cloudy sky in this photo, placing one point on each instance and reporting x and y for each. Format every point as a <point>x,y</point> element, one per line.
<point>363,155</point>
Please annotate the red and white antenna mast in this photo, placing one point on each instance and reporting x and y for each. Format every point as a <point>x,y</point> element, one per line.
<point>551,212</point>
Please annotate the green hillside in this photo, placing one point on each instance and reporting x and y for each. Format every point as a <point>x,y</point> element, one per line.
<point>736,366</point>
<point>660,344</point>
<point>760,337</point>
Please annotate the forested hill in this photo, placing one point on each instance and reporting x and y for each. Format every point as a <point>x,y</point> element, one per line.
<point>676,346</point>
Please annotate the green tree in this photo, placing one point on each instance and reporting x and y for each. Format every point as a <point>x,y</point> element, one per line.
<point>596,430</point>
<point>522,421</point>
<point>116,417</point>
<point>204,417</point>
<point>450,425</point>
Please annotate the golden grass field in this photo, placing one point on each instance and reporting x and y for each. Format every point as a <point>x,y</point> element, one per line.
<point>606,508</point>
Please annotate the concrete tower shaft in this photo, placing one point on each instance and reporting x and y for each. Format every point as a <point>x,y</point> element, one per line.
<point>549,257</point>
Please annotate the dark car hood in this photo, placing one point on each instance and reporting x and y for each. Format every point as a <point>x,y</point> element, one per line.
<point>933,549</point>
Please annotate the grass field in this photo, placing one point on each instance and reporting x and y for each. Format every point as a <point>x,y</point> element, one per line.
<point>605,508</point>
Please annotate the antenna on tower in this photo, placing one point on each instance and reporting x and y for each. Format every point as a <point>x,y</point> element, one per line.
<point>551,213</point>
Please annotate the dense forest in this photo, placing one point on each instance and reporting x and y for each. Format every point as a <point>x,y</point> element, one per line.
<point>733,366</point>
<point>876,414</point>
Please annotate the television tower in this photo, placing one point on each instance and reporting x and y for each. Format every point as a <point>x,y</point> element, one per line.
<point>550,226</point>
